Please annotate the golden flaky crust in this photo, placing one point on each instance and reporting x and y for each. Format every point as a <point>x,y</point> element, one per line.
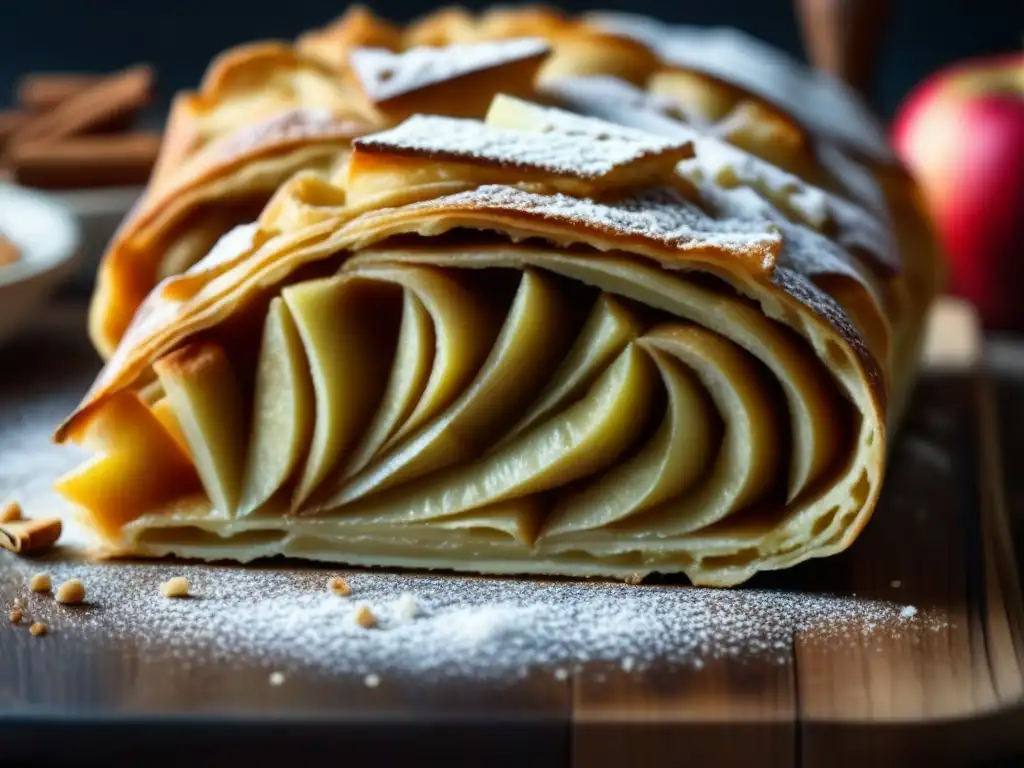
<point>257,81</point>
<point>480,204</point>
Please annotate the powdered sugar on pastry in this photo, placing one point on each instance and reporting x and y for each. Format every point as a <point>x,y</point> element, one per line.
<point>385,75</point>
<point>730,166</point>
<point>804,250</point>
<point>559,152</point>
<point>659,215</point>
<point>822,103</point>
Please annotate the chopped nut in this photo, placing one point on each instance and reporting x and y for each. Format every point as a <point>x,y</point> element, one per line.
<point>19,602</point>
<point>635,578</point>
<point>38,629</point>
<point>15,615</point>
<point>40,583</point>
<point>365,617</point>
<point>71,592</point>
<point>339,586</point>
<point>29,537</point>
<point>176,587</point>
<point>10,512</point>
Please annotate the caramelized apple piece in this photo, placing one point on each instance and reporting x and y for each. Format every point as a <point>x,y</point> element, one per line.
<point>140,466</point>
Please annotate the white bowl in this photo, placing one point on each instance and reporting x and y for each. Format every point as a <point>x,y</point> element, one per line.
<point>48,238</point>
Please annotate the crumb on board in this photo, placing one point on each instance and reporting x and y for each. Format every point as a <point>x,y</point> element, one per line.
<point>635,578</point>
<point>37,629</point>
<point>175,587</point>
<point>40,582</point>
<point>71,592</point>
<point>365,617</point>
<point>276,679</point>
<point>561,674</point>
<point>19,602</point>
<point>339,586</point>
<point>15,616</point>
<point>10,512</point>
<point>371,681</point>
<point>895,583</point>
<point>908,612</point>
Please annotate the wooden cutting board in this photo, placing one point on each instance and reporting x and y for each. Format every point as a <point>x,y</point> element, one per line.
<point>908,647</point>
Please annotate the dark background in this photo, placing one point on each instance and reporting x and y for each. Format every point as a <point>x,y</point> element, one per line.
<point>181,36</point>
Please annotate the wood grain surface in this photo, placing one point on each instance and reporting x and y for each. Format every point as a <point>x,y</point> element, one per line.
<point>945,687</point>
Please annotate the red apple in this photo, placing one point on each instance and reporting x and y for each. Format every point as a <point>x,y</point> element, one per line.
<point>961,133</point>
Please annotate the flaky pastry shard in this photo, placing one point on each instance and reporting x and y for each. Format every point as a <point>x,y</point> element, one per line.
<point>540,343</point>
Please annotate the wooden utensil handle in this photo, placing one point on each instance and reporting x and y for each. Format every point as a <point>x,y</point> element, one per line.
<point>843,37</point>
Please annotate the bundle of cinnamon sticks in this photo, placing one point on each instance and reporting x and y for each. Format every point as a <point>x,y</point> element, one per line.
<point>72,131</point>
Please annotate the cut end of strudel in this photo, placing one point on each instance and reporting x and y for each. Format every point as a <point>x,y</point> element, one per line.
<point>536,344</point>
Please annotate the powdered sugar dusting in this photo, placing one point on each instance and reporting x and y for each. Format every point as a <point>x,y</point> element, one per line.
<point>819,101</point>
<point>803,249</point>
<point>558,151</point>
<point>659,215</point>
<point>721,163</point>
<point>385,75</point>
<point>468,627</point>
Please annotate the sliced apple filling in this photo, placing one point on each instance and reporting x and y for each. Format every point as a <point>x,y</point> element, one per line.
<point>502,418</point>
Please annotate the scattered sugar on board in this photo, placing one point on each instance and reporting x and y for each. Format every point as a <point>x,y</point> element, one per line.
<point>462,627</point>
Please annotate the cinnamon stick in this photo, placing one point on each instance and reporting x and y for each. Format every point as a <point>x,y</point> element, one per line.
<point>106,101</point>
<point>43,91</point>
<point>86,161</point>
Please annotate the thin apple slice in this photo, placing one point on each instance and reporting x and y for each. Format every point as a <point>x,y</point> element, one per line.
<point>282,420</point>
<point>444,339</point>
<point>669,463</point>
<point>164,412</point>
<point>532,339</point>
<point>464,330</point>
<point>749,455</point>
<point>206,398</point>
<point>346,326</point>
<point>585,438</point>
<point>414,356</point>
<point>608,329</point>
